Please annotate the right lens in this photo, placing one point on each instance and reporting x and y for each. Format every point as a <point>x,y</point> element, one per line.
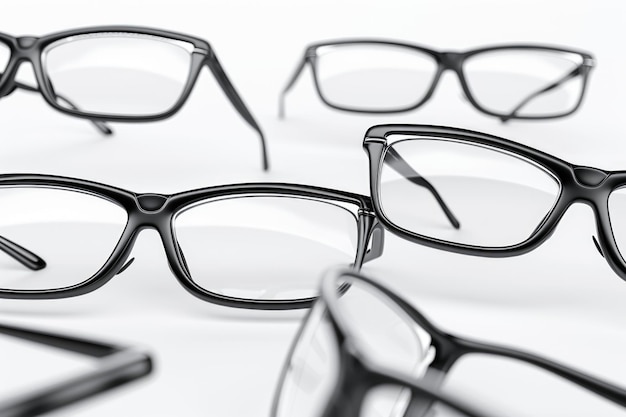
<point>525,82</point>
<point>498,198</point>
<point>119,74</point>
<point>270,247</point>
<point>312,369</point>
<point>5,55</point>
<point>73,232</point>
<point>374,77</point>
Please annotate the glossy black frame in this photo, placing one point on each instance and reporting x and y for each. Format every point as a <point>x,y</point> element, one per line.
<point>445,60</point>
<point>591,186</point>
<point>358,373</point>
<point>157,211</point>
<point>116,365</point>
<point>31,48</point>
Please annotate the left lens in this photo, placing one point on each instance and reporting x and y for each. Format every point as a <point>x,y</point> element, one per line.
<point>119,74</point>
<point>312,369</point>
<point>265,247</point>
<point>516,82</point>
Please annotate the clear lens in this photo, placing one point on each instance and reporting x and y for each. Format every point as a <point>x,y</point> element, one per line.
<point>265,247</point>
<point>393,401</point>
<point>381,329</point>
<point>617,210</point>
<point>118,73</point>
<point>525,82</point>
<point>498,198</point>
<point>73,232</point>
<point>312,369</point>
<point>371,77</point>
<point>5,56</point>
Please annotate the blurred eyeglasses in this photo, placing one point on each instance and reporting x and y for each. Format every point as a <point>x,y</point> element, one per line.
<point>507,81</point>
<point>363,351</point>
<point>116,73</point>
<point>110,367</point>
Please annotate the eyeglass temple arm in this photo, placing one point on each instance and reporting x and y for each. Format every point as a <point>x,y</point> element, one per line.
<point>402,167</point>
<point>377,238</point>
<point>575,72</point>
<point>602,388</point>
<point>118,366</point>
<point>290,83</point>
<point>236,100</point>
<point>101,126</point>
<point>21,254</point>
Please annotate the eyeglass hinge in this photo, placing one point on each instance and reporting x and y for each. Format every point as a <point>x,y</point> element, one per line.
<point>365,212</point>
<point>200,51</point>
<point>375,140</point>
<point>589,62</point>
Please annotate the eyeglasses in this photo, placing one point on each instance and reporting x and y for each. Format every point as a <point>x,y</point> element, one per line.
<point>508,82</point>
<point>116,73</point>
<point>248,245</point>
<point>364,351</point>
<point>113,366</point>
<point>506,198</point>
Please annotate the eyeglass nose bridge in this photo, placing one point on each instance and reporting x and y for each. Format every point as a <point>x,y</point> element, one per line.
<point>451,61</point>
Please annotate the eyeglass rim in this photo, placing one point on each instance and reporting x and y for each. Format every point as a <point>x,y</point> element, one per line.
<point>448,60</point>
<point>164,207</point>
<point>571,177</point>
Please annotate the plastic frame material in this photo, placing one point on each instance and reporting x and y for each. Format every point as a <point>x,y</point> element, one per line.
<point>445,60</point>
<point>358,374</point>
<point>588,185</point>
<point>116,365</point>
<point>31,49</point>
<point>157,211</point>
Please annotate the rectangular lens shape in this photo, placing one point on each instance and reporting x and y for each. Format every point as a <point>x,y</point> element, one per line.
<point>498,198</point>
<point>374,77</point>
<point>73,233</point>
<point>264,247</point>
<point>525,82</point>
<point>118,74</point>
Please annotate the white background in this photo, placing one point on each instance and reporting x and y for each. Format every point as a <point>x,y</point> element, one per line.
<point>561,300</point>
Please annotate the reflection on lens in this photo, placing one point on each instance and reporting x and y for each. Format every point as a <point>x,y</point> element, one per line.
<point>312,369</point>
<point>264,247</point>
<point>5,56</point>
<point>374,77</point>
<point>499,199</point>
<point>73,232</point>
<point>617,215</point>
<point>381,329</point>
<point>118,73</point>
<point>525,82</point>
<point>394,401</point>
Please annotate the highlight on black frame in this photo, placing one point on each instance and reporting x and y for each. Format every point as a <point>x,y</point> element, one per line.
<point>517,81</point>
<point>116,73</point>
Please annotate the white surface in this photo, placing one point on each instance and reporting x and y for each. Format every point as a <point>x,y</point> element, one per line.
<point>561,300</point>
